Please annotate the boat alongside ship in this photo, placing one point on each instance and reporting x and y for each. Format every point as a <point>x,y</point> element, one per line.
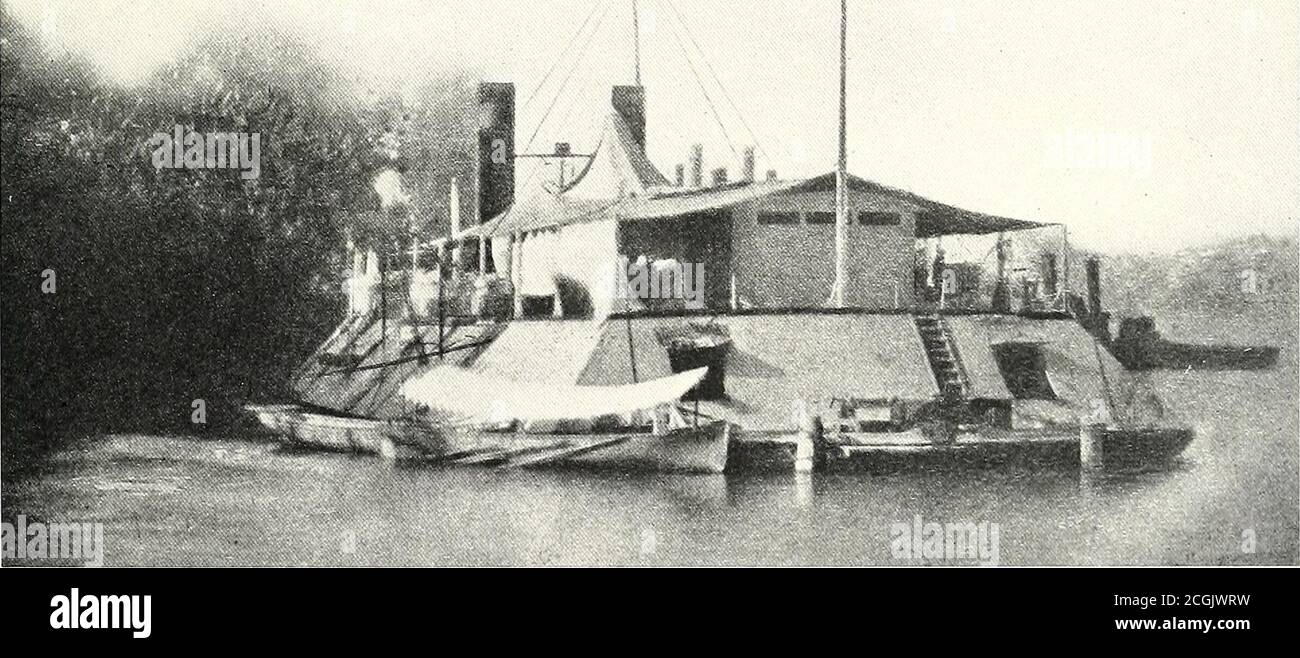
<point>697,449</point>
<point>629,428</point>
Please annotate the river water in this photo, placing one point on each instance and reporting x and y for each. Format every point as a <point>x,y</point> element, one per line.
<point>245,501</point>
<point>241,500</point>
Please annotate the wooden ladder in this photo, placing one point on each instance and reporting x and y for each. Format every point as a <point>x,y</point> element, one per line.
<point>942,353</point>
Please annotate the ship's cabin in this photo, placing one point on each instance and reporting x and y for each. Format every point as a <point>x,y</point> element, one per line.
<point>618,237</point>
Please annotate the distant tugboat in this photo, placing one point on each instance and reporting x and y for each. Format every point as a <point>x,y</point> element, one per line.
<point>1140,347</point>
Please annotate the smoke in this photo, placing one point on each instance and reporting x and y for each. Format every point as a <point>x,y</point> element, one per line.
<point>388,185</point>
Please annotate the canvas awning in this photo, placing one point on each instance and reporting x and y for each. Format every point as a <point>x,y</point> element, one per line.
<point>620,182</point>
<point>467,396</point>
<point>932,218</point>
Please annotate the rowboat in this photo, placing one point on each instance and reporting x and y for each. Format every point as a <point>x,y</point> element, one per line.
<point>300,426</point>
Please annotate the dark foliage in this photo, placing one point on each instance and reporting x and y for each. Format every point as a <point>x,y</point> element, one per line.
<point>176,285</point>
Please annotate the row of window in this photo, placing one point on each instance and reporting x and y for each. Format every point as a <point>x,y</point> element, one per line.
<point>865,218</point>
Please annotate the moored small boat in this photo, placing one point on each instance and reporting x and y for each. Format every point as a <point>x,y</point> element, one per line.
<point>472,421</point>
<point>299,426</point>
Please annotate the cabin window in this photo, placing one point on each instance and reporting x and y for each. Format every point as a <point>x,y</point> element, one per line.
<point>821,218</point>
<point>878,218</point>
<point>778,218</point>
<point>1024,369</point>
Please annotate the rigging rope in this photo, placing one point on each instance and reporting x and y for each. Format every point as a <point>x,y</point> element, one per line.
<point>699,81</point>
<point>559,58</point>
<point>559,92</point>
<point>709,65</point>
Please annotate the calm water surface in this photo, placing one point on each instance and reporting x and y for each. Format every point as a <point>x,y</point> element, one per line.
<point>244,501</point>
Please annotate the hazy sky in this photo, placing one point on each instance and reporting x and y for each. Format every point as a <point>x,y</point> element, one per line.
<point>1142,125</point>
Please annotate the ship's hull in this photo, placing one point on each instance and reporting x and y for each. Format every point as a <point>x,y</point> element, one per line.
<point>772,359</point>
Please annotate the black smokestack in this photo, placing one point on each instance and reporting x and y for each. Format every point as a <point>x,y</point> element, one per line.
<point>1094,286</point>
<point>496,149</point>
<point>1098,321</point>
<point>697,165</point>
<point>629,103</point>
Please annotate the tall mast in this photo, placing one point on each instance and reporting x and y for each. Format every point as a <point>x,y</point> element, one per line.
<point>841,169</point>
<point>636,43</point>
